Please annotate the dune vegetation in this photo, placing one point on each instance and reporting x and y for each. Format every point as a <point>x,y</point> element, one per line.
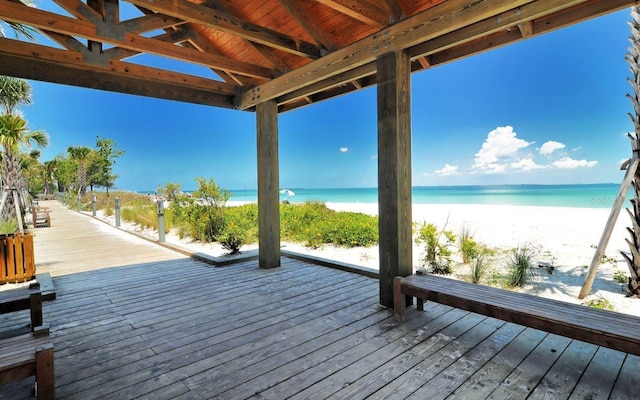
<point>204,215</point>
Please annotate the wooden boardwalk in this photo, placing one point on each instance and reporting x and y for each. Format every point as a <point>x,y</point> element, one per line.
<point>135,320</point>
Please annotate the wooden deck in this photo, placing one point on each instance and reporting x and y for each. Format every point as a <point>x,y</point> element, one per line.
<point>135,320</point>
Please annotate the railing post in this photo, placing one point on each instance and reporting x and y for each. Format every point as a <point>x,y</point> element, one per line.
<point>117,212</point>
<point>93,205</point>
<point>160,204</point>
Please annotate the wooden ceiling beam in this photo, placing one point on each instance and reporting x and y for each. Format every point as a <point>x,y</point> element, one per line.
<point>364,12</point>
<point>339,80</point>
<point>15,12</point>
<point>170,36</point>
<point>228,23</point>
<point>500,22</point>
<point>434,22</point>
<point>310,26</point>
<point>198,43</point>
<point>150,22</point>
<point>542,25</point>
<point>32,61</point>
<point>80,10</point>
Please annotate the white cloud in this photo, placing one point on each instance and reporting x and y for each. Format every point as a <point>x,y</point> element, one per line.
<point>526,164</point>
<point>499,150</point>
<point>576,148</point>
<point>570,163</point>
<point>447,170</point>
<point>551,146</point>
<point>344,149</point>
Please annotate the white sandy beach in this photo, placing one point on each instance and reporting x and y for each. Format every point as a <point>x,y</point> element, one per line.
<point>565,236</point>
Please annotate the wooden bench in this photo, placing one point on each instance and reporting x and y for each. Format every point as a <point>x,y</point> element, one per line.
<point>26,298</point>
<point>599,327</point>
<point>41,217</point>
<point>29,355</point>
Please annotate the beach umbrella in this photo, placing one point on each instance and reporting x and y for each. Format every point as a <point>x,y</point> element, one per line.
<point>287,192</point>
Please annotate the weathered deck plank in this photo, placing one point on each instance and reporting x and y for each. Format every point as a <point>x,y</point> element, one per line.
<point>135,320</point>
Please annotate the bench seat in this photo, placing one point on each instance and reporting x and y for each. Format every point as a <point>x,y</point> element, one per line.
<point>599,327</point>
<point>26,298</point>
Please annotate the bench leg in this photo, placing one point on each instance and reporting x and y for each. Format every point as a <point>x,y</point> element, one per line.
<point>36,309</point>
<point>399,301</point>
<point>420,304</point>
<point>45,385</point>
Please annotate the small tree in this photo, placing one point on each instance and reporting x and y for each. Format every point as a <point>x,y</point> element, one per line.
<point>437,255</point>
<point>106,154</point>
<point>170,191</point>
<point>64,172</point>
<point>80,155</point>
<point>214,198</point>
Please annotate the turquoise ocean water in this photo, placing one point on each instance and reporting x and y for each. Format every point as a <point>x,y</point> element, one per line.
<point>586,196</point>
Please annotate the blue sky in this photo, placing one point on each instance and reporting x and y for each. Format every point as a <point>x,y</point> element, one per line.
<point>547,110</point>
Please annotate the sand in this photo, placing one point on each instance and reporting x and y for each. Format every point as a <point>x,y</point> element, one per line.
<point>566,237</point>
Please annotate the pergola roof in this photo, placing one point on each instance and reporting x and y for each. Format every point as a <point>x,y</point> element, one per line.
<point>294,51</point>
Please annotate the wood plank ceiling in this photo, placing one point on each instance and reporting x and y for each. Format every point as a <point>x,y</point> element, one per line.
<point>294,51</point>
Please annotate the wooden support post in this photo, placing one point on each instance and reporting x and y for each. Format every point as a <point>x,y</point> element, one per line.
<point>394,171</point>
<point>268,185</point>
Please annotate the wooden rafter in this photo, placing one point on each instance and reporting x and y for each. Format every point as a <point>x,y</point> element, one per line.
<point>15,12</point>
<point>67,67</point>
<point>308,24</point>
<point>360,10</point>
<point>150,22</point>
<point>228,23</point>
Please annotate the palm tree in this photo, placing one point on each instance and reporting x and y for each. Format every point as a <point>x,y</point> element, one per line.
<point>14,133</point>
<point>20,29</point>
<point>14,92</point>
<point>80,154</point>
<point>633,58</point>
<point>50,168</point>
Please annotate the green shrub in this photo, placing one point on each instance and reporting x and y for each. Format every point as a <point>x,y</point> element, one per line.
<point>520,265</point>
<point>620,276</point>
<point>437,255</point>
<point>8,226</point>
<point>241,221</point>
<point>232,239</point>
<point>600,303</point>
<point>315,224</point>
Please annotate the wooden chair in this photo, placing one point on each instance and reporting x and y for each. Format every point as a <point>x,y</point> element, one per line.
<point>41,217</point>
